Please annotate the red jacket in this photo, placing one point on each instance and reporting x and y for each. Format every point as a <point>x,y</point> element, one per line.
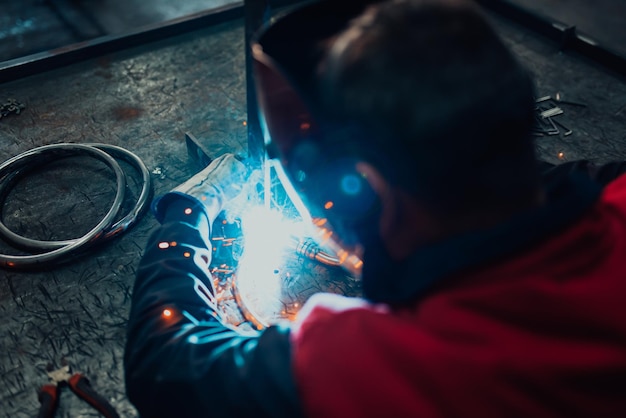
<point>525,320</point>
<point>540,334</point>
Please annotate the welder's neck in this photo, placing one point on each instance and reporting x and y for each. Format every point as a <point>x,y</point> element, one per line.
<point>406,225</point>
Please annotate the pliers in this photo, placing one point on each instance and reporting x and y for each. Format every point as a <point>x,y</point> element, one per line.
<point>49,393</point>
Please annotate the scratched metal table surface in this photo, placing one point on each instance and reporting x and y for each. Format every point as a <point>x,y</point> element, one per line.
<point>144,100</point>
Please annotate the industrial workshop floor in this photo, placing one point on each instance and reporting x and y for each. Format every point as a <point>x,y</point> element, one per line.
<point>144,99</point>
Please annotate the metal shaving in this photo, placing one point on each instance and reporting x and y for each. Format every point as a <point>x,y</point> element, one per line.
<point>11,106</point>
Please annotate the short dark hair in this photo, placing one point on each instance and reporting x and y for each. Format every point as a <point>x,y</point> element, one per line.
<point>443,107</point>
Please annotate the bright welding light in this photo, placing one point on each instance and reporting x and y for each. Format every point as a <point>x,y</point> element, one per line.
<point>272,231</point>
<point>268,237</point>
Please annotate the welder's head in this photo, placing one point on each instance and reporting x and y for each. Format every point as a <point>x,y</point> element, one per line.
<point>422,90</point>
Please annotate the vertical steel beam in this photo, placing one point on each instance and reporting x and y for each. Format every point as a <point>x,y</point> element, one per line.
<point>255,14</point>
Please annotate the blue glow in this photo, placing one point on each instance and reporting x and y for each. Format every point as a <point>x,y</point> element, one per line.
<point>351,184</point>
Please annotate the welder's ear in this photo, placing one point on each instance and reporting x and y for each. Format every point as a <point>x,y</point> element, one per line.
<point>375,179</point>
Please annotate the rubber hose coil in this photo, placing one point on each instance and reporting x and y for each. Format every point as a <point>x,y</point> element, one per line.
<point>22,164</point>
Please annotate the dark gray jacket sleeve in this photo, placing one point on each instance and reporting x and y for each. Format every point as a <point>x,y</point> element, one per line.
<point>180,360</point>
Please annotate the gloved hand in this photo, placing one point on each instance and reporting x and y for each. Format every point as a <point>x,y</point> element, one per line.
<point>218,183</point>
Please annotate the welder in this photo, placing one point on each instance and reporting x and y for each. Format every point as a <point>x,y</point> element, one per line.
<point>489,288</point>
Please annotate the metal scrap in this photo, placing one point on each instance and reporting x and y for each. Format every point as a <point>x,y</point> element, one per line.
<point>546,109</point>
<point>11,106</point>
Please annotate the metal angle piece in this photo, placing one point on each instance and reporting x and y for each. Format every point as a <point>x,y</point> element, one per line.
<point>551,112</point>
<point>197,153</point>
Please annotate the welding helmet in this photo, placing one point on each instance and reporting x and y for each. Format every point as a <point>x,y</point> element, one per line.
<point>314,152</point>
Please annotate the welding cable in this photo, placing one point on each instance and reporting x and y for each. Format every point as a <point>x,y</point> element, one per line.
<point>111,230</point>
<point>21,161</point>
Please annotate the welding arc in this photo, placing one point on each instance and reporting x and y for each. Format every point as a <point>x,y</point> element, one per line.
<point>107,228</point>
